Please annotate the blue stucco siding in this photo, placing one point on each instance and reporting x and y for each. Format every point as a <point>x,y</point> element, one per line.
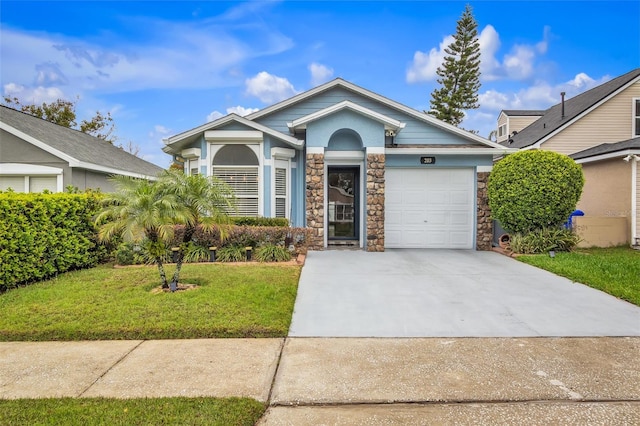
<point>392,160</point>
<point>415,131</point>
<point>319,132</point>
<point>234,125</point>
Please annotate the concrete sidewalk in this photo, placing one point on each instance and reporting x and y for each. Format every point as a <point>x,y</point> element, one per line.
<point>351,380</point>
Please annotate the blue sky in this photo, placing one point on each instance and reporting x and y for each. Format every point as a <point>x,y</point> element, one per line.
<point>163,67</point>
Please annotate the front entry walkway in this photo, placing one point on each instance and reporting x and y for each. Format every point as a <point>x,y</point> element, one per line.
<point>448,293</point>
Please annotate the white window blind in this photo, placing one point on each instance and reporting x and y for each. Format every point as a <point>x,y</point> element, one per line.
<point>244,183</point>
<point>281,192</point>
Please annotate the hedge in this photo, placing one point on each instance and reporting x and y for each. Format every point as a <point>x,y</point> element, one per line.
<point>42,235</point>
<point>260,221</point>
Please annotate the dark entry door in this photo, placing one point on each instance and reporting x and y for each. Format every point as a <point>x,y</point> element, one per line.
<point>343,203</point>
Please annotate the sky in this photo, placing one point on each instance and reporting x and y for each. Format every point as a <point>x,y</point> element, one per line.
<point>164,67</point>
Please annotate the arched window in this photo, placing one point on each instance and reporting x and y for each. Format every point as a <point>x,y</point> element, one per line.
<point>238,166</point>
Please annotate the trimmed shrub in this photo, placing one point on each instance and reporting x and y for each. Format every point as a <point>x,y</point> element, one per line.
<point>544,240</point>
<point>42,235</point>
<point>260,221</point>
<point>534,189</point>
<point>272,253</point>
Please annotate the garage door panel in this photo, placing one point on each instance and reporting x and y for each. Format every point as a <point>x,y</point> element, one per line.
<point>429,208</point>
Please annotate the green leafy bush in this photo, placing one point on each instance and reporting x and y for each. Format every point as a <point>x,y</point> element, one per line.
<point>233,253</point>
<point>260,221</point>
<point>534,189</point>
<point>42,235</point>
<point>272,253</point>
<point>544,240</point>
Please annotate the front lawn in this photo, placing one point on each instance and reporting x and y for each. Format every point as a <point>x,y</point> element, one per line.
<point>151,411</point>
<point>613,270</point>
<point>104,303</point>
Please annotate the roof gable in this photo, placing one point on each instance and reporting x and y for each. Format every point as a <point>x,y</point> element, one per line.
<point>554,120</point>
<point>389,123</point>
<point>177,142</point>
<point>76,148</point>
<point>343,84</point>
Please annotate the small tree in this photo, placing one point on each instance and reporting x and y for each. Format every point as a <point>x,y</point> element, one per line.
<point>205,202</point>
<point>533,190</point>
<point>141,214</point>
<point>459,74</point>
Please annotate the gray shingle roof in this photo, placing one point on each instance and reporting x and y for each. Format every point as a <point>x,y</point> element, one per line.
<point>552,119</point>
<point>607,148</point>
<point>80,146</point>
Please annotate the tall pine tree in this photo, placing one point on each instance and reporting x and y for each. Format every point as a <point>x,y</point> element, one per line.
<point>459,74</point>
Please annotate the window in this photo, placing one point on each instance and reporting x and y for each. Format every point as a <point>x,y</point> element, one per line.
<point>636,117</point>
<point>193,167</point>
<point>281,192</point>
<point>281,181</point>
<point>502,130</point>
<point>238,166</point>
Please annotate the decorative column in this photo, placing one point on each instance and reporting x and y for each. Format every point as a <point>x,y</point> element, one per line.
<point>315,199</point>
<point>375,202</point>
<point>484,232</point>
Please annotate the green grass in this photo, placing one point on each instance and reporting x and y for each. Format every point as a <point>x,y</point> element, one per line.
<point>107,303</point>
<point>113,412</point>
<point>614,270</point>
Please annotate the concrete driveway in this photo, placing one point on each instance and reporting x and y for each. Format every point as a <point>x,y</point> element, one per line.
<point>448,293</point>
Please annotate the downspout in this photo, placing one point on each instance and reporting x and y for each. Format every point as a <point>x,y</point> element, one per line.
<point>634,199</point>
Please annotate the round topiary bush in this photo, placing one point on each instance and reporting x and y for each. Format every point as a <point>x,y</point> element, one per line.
<point>534,189</point>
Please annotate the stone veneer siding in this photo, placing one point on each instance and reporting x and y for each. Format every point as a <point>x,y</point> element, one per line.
<point>315,199</point>
<point>484,233</point>
<point>375,202</point>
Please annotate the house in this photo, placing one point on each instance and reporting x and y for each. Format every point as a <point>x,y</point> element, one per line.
<point>598,128</point>
<point>37,155</point>
<point>511,121</point>
<point>357,168</point>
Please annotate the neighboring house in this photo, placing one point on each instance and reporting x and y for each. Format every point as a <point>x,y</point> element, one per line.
<point>355,167</point>
<point>599,129</point>
<point>510,122</point>
<point>37,155</point>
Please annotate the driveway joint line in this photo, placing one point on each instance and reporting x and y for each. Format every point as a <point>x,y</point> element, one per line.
<point>118,361</point>
<point>275,373</point>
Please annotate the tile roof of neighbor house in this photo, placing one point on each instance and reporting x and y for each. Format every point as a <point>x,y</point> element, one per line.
<point>87,151</point>
<point>523,112</point>
<point>607,148</point>
<point>552,119</point>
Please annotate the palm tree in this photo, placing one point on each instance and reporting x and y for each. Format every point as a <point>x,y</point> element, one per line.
<point>139,212</point>
<point>205,201</point>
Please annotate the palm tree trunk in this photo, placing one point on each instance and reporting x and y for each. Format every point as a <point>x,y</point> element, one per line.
<point>163,275</point>
<point>186,239</point>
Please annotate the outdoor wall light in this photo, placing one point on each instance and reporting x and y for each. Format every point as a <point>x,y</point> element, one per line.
<point>248,253</point>
<point>212,254</point>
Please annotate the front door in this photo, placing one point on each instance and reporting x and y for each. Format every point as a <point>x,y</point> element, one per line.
<point>343,203</point>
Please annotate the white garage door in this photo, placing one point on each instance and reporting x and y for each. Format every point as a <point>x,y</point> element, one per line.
<point>429,208</point>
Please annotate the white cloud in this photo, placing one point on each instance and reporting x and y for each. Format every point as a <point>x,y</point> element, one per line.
<point>518,64</point>
<point>192,54</point>
<point>489,42</point>
<point>424,65</point>
<point>320,73</point>
<point>240,110</point>
<point>269,88</point>
<point>35,95</point>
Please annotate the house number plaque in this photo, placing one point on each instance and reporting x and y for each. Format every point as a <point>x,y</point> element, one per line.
<point>427,160</point>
